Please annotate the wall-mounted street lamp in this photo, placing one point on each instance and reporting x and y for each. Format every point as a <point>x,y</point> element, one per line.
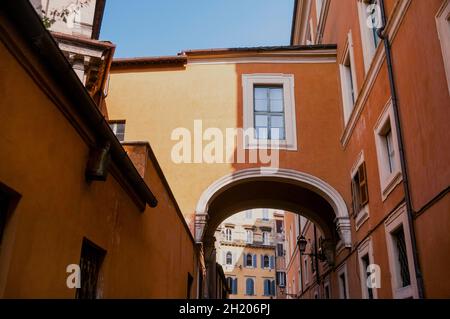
<point>302,242</point>
<point>283,292</point>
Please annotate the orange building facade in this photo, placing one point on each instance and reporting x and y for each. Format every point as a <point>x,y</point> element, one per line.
<point>345,127</point>
<point>72,196</point>
<point>362,153</point>
<point>395,106</point>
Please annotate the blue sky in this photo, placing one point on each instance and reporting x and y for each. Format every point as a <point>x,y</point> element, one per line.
<point>166,27</point>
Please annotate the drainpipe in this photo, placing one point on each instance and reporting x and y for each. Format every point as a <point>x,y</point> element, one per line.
<point>302,290</point>
<point>409,206</point>
<point>316,259</point>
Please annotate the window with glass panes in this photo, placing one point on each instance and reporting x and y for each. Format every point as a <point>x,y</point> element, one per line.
<point>373,12</point>
<point>280,250</point>
<point>249,236</point>
<point>343,286</point>
<point>390,151</point>
<point>365,264</point>
<point>118,127</point>
<point>228,234</point>
<point>269,112</point>
<point>402,257</point>
<point>229,258</point>
<point>265,236</point>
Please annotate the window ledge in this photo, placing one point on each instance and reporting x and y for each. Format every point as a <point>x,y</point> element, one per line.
<point>267,144</point>
<point>363,94</point>
<point>362,217</point>
<point>339,247</point>
<point>389,185</point>
<point>404,292</point>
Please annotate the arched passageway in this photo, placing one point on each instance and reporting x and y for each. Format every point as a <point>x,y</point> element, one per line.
<point>281,189</point>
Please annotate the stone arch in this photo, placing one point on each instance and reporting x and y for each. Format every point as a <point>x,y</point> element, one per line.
<point>317,200</point>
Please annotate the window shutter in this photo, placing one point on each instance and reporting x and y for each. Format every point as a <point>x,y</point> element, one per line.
<point>265,287</point>
<point>355,201</point>
<point>363,190</point>
<point>272,262</point>
<point>235,286</point>
<point>262,261</point>
<point>249,287</point>
<point>254,261</point>
<point>273,292</point>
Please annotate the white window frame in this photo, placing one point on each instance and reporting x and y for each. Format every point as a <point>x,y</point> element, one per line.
<point>311,33</point>
<point>366,249</point>
<point>368,46</point>
<point>230,232</point>
<point>305,270</point>
<point>287,82</point>
<point>347,103</point>
<point>443,27</point>
<point>394,222</point>
<point>245,260</point>
<point>265,238</point>
<point>388,180</point>
<point>114,125</point>
<point>247,232</point>
<point>343,270</point>
<point>319,6</point>
<point>226,258</point>
<point>363,215</point>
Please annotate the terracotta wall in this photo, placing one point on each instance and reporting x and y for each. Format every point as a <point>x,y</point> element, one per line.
<point>43,158</point>
<point>424,103</point>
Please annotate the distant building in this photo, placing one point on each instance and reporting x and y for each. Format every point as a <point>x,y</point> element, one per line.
<point>77,34</point>
<point>280,254</point>
<point>246,248</point>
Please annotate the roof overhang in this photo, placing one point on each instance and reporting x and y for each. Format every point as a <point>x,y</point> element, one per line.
<point>24,34</point>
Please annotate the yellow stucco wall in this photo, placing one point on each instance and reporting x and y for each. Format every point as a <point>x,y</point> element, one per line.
<point>155,102</point>
<point>43,158</point>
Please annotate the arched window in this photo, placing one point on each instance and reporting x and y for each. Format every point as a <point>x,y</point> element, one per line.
<point>229,258</point>
<point>228,234</point>
<point>266,262</point>
<point>250,287</point>
<point>249,260</point>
